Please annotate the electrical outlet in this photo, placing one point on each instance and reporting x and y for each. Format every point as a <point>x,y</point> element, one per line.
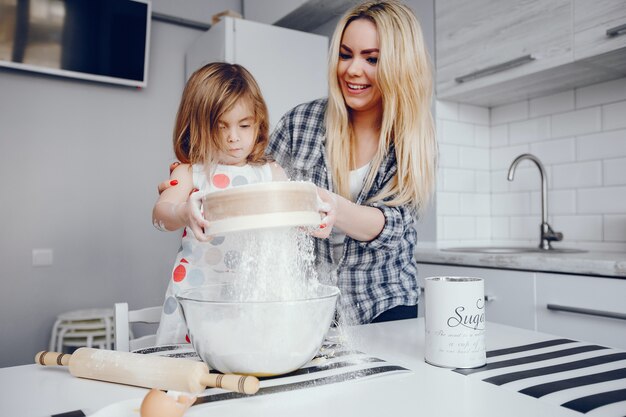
<point>42,257</point>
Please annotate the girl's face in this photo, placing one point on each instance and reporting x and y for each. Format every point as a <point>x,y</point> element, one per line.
<point>237,129</point>
<point>356,70</point>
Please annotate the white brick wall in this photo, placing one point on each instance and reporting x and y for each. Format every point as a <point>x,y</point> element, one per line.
<point>579,135</point>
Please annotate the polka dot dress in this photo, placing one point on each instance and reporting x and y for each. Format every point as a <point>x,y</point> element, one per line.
<point>200,263</point>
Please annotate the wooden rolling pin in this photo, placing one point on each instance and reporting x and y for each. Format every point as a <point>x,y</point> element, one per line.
<point>146,371</point>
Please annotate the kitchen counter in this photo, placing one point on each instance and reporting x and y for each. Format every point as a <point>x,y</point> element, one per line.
<point>608,264</point>
<point>427,390</point>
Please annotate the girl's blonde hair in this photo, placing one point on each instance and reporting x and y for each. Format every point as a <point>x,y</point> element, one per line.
<point>404,77</point>
<point>210,92</point>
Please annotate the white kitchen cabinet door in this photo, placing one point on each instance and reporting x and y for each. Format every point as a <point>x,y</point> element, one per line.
<point>592,20</point>
<point>558,296</point>
<point>510,297</point>
<point>290,66</point>
<point>479,35</point>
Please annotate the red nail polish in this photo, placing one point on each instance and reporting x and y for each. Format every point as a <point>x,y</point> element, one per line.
<point>322,226</point>
<point>174,182</point>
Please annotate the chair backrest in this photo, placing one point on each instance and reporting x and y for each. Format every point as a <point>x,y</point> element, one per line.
<point>124,318</point>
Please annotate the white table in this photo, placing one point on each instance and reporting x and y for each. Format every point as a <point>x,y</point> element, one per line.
<point>32,390</point>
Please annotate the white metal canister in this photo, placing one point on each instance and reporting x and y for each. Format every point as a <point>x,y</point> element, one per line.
<point>455,322</point>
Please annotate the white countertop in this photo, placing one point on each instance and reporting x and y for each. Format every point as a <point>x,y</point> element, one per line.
<point>427,390</point>
<point>610,264</point>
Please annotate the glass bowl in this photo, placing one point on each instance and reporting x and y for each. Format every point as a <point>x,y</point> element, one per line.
<point>256,337</point>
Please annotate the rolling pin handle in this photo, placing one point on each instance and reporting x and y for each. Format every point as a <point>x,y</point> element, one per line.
<point>244,384</point>
<point>46,358</point>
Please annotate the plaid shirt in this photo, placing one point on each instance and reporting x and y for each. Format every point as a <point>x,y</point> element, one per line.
<point>373,276</point>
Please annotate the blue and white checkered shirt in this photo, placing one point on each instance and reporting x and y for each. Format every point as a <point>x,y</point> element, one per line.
<point>373,276</point>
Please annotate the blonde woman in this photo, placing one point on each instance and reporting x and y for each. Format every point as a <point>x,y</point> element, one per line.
<point>371,144</point>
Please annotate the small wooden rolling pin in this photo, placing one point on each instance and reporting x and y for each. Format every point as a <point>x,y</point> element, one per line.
<point>146,371</point>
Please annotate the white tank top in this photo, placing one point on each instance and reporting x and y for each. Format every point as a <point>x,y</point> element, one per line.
<point>357,178</point>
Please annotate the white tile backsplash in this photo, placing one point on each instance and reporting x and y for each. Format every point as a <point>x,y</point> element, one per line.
<point>458,180</point>
<point>509,112</point>
<point>482,137</point>
<point>457,133</point>
<point>501,158</point>
<point>474,158</point>
<point>585,228</point>
<point>448,204</point>
<point>559,202</point>
<point>576,122</point>
<point>526,178</point>
<point>555,151</point>
<point>601,145</point>
<point>474,114</point>
<point>615,228</point>
<point>475,204</point>
<point>580,137</point>
<point>446,110</point>
<point>499,136</point>
<point>614,116</point>
<point>529,130</point>
<point>459,228</point>
<point>526,227</point>
<point>615,171</point>
<point>552,104</point>
<point>577,175</point>
<point>448,156</point>
<point>500,227</point>
<point>604,200</point>
<point>510,204</point>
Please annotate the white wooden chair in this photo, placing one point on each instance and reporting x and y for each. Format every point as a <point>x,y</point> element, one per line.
<point>124,318</point>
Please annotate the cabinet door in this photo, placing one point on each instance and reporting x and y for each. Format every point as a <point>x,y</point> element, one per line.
<point>509,294</point>
<point>480,34</point>
<point>559,296</point>
<point>592,20</point>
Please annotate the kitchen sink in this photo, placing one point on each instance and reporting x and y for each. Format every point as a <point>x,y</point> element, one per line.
<point>503,250</point>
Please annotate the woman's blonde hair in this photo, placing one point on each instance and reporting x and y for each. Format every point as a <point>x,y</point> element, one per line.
<point>404,78</point>
<point>210,92</point>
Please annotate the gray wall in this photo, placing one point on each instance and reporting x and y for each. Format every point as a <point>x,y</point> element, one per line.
<point>79,163</point>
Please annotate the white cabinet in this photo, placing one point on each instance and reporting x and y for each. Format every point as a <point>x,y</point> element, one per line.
<point>491,52</point>
<point>509,295</point>
<point>581,307</point>
<point>485,43</point>
<point>592,21</point>
<point>290,66</point>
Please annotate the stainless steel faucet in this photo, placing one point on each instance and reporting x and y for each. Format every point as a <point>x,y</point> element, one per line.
<point>547,234</point>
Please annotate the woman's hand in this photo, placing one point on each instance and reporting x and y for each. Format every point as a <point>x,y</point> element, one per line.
<point>327,206</point>
<point>170,182</point>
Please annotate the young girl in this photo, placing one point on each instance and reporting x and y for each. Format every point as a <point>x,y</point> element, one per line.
<point>220,137</point>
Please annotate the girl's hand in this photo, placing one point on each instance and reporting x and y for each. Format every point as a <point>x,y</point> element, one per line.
<point>168,183</point>
<point>327,206</point>
<point>192,217</point>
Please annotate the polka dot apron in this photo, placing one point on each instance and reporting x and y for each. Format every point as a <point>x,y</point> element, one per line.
<point>200,263</point>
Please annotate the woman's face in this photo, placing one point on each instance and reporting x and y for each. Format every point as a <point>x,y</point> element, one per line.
<point>356,70</point>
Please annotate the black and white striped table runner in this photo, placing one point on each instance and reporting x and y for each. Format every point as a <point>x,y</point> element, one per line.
<point>583,377</point>
<point>333,364</point>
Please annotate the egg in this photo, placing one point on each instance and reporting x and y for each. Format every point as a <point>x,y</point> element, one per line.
<point>157,403</point>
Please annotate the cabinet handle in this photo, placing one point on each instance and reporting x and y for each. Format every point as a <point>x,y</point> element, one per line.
<point>496,68</point>
<point>587,311</point>
<point>616,31</point>
<point>487,296</point>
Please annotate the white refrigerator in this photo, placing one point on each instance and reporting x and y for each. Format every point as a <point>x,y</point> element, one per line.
<point>290,66</point>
